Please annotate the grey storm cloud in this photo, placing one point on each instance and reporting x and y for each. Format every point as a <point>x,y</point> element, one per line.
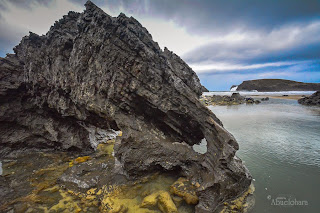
<point>254,52</point>
<point>288,42</point>
<point>214,18</point>
<point>11,30</point>
<point>23,3</point>
<point>220,15</point>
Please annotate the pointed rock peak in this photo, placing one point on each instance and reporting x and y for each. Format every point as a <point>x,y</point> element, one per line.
<point>90,5</point>
<point>92,8</point>
<point>122,18</point>
<point>122,15</point>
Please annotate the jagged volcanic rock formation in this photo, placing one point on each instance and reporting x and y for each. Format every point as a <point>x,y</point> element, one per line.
<point>93,74</point>
<point>271,85</point>
<point>313,100</point>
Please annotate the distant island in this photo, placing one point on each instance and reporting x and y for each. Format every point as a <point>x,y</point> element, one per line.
<point>273,85</point>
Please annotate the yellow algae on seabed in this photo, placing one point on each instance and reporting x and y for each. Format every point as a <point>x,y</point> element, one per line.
<point>150,201</point>
<point>183,188</point>
<point>162,199</point>
<point>240,204</point>
<point>165,203</point>
<point>151,195</point>
<point>79,160</point>
<point>48,197</point>
<point>66,204</point>
<point>106,148</point>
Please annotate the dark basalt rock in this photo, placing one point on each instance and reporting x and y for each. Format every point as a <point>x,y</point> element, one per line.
<point>203,89</point>
<point>271,85</point>
<point>92,74</point>
<point>313,100</point>
<point>236,96</point>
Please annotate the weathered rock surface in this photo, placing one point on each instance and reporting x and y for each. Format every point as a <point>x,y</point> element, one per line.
<point>93,74</point>
<point>271,85</point>
<point>313,100</point>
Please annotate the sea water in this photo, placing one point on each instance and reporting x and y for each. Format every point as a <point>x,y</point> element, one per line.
<point>249,93</point>
<point>280,145</point>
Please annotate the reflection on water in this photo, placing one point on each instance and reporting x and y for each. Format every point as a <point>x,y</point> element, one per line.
<point>280,144</point>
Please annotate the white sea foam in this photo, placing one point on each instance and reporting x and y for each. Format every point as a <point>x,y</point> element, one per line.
<point>249,93</point>
<point>234,89</point>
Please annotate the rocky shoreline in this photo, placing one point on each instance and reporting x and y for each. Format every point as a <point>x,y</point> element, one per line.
<point>234,99</point>
<point>104,111</point>
<point>313,100</point>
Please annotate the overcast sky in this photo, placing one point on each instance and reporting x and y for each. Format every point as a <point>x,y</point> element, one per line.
<point>224,41</point>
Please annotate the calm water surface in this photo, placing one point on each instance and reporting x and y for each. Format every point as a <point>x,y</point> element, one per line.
<point>280,144</point>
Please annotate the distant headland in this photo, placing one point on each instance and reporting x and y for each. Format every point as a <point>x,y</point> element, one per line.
<point>273,85</point>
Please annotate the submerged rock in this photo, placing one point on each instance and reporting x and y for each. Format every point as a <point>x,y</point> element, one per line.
<point>166,204</point>
<point>183,188</point>
<point>92,75</point>
<point>313,100</point>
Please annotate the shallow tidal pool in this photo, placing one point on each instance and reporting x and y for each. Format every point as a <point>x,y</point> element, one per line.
<point>41,182</point>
